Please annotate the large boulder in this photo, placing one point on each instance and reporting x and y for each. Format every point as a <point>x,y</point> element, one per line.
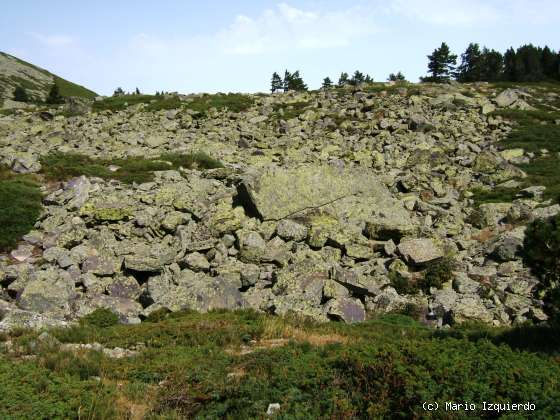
<point>196,291</point>
<point>506,98</point>
<point>350,195</point>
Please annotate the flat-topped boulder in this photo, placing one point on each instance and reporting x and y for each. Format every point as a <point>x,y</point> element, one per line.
<point>352,195</point>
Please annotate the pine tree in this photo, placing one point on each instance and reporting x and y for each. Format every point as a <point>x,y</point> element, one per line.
<point>509,65</point>
<point>470,68</point>
<point>276,82</point>
<point>441,64</point>
<point>118,92</point>
<point>357,78</point>
<point>287,82</point>
<point>327,83</point>
<point>491,65</point>
<point>399,77</point>
<point>20,94</point>
<point>296,82</point>
<point>368,79</point>
<point>528,66</point>
<point>343,79</point>
<point>549,62</point>
<point>137,91</point>
<point>54,95</point>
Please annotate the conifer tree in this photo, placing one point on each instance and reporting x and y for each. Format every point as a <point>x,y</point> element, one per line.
<point>398,77</point>
<point>357,78</point>
<point>491,65</point>
<point>327,83</point>
<point>137,91</point>
<point>470,68</point>
<point>441,64</point>
<point>549,61</point>
<point>118,92</point>
<point>20,94</point>
<point>343,79</point>
<point>368,79</point>
<point>509,65</point>
<point>54,95</point>
<point>276,83</point>
<point>287,82</point>
<point>296,82</point>
<point>528,66</point>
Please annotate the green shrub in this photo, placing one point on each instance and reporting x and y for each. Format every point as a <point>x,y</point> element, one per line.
<point>33,392</point>
<point>20,207</point>
<point>158,315</point>
<point>542,254</point>
<point>63,166</point>
<point>20,94</point>
<point>438,272</point>
<point>101,318</point>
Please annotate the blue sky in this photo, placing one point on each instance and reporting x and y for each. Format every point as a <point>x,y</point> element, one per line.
<point>193,46</point>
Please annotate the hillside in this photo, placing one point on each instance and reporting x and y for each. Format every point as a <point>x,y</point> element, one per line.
<point>37,81</point>
<point>345,253</point>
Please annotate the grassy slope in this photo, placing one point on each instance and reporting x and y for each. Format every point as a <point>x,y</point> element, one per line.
<point>20,206</point>
<point>233,364</point>
<point>66,88</point>
<point>533,131</point>
<point>20,197</point>
<point>235,102</point>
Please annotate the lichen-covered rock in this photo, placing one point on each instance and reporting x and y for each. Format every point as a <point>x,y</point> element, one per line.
<point>419,251</point>
<point>150,257</point>
<point>252,246</point>
<point>291,231</point>
<point>50,292</point>
<point>195,291</point>
<point>346,309</point>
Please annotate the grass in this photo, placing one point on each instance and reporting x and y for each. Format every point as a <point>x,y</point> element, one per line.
<point>62,166</point>
<point>20,206</point>
<point>290,110</point>
<point>534,130</point>
<point>72,89</point>
<point>234,102</point>
<point>20,196</point>
<point>66,88</point>
<point>233,364</point>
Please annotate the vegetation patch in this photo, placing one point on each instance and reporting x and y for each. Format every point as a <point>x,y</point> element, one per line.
<point>234,102</point>
<point>290,110</point>
<point>63,166</point>
<point>385,367</point>
<point>542,254</point>
<point>32,391</point>
<point>20,206</point>
<point>535,130</point>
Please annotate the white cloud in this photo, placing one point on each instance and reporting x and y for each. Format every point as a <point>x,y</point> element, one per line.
<point>477,12</point>
<point>286,28</point>
<point>54,40</point>
<point>447,12</point>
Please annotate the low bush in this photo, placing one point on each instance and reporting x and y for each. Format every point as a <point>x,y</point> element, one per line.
<point>437,273</point>
<point>233,364</point>
<point>63,166</point>
<point>542,254</point>
<point>101,318</point>
<point>20,207</point>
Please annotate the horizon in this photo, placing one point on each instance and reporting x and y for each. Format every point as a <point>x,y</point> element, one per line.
<point>223,47</point>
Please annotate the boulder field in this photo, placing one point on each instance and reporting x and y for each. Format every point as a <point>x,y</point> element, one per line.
<point>321,214</point>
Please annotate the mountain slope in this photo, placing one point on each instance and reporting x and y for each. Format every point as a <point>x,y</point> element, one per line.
<point>35,80</point>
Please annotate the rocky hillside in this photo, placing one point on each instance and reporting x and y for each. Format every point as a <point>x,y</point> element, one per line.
<point>335,205</point>
<point>37,82</point>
